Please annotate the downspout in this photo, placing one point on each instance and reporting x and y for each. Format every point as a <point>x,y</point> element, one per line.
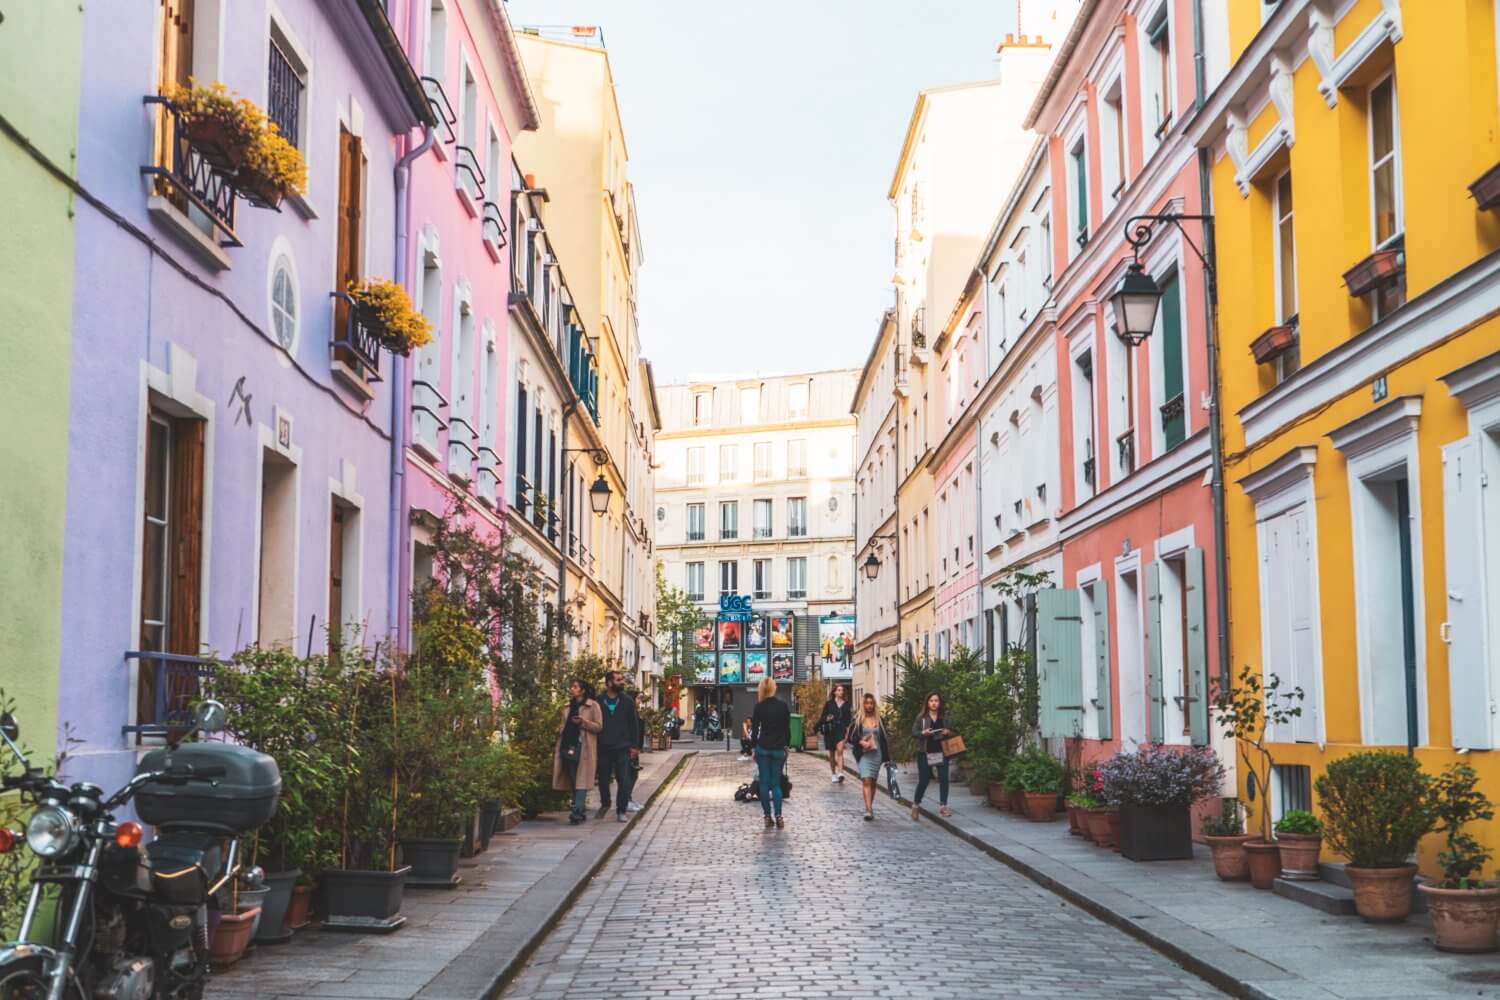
<point>1211,312</point>
<point>400,528</point>
<point>570,510</point>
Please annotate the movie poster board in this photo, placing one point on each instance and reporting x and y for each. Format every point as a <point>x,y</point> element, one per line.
<point>836,647</point>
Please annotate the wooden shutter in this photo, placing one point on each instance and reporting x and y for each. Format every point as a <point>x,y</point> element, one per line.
<point>1156,715</point>
<point>1470,696</point>
<point>1060,661</point>
<point>1195,602</point>
<point>1103,689</point>
<point>335,573</point>
<point>351,176</point>
<point>186,559</point>
<point>176,58</point>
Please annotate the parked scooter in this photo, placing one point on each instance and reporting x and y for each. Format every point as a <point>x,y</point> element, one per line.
<point>130,920</point>
<point>713,731</point>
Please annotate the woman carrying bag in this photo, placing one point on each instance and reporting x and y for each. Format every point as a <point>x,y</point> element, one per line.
<point>577,756</point>
<point>929,733</point>
<point>837,715</point>
<point>871,749</point>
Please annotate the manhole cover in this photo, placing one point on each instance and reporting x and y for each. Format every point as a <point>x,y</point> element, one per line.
<point>1489,977</point>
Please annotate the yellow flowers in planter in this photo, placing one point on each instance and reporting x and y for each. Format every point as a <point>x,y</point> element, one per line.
<point>234,135</point>
<point>388,306</point>
<point>273,168</point>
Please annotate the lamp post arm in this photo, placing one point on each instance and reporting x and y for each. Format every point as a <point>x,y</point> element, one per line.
<point>1140,229</point>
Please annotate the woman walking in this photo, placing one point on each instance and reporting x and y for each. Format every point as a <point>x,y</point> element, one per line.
<point>771,730</point>
<point>871,749</point>
<point>837,715</point>
<point>928,733</point>
<point>576,759</point>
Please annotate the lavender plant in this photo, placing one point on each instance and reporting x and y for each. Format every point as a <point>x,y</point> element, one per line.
<point>1157,775</point>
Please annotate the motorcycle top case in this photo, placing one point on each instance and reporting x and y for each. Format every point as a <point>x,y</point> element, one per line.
<point>239,799</point>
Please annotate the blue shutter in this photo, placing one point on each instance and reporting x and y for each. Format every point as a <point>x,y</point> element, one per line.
<point>1103,696</point>
<point>1060,662</point>
<point>1156,715</point>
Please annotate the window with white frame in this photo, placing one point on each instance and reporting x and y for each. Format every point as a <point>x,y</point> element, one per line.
<point>466,157</point>
<point>1045,250</point>
<point>1156,77</point>
<point>762,459</point>
<point>763,579</point>
<point>728,463</point>
<point>286,88</point>
<point>1078,193</point>
<point>729,576</point>
<point>797,399</point>
<point>1112,154</point>
<point>796,577</point>
<point>1084,425</point>
<point>702,408</point>
<point>1386,210</point>
<point>796,458</point>
<point>695,526</point>
<point>729,520</point>
<point>763,518</point>
<point>283,299</point>
<point>796,517</point>
<point>1286,272</point>
<point>750,404</point>
<point>695,581</point>
<point>695,466</point>
<point>999,317</point>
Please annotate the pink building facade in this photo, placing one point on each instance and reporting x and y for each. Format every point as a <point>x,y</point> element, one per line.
<point>958,369</point>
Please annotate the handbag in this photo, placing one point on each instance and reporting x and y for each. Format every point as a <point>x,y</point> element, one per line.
<point>953,746</point>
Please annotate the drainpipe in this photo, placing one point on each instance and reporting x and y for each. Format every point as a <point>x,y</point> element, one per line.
<point>399,529</point>
<point>1211,312</point>
<point>570,510</point>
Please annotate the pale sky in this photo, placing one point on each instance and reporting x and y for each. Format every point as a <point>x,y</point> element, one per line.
<point>762,136</point>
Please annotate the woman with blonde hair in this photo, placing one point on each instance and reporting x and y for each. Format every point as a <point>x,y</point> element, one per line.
<point>867,736</point>
<point>771,730</point>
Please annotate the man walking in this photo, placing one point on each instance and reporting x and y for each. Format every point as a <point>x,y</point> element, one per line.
<point>698,719</point>
<point>619,745</point>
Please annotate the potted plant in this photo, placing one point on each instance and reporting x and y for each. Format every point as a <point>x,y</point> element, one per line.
<point>1299,836</point>
<point>1225,835</point>
<point>807,699</point>
<point>1037,775</point>
<point>270,169</point>
<point>1246,711</point>
<point>386,309</point>
<point>1154,788</point>
<point>219,125</point>
<point>1079,804</point>
<point>1465,909</point>
<point>1376,807</point>
<point>232,936</point>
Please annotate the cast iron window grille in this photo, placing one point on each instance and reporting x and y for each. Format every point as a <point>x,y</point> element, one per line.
<point>189,177</point>
<point>470,177</point>
<point>441,108</point>
<point>357,340</point>
<point>1172,409</point>
<point>284,104</point>
<point>174,682</point>
<point>523,495</point>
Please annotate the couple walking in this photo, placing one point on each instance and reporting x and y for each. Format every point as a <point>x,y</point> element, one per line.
<point>866,735</point>
<point>599,737</point>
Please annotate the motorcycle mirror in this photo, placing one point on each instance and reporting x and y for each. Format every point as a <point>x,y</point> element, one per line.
<point>210,717</point>
<point>9,727</point>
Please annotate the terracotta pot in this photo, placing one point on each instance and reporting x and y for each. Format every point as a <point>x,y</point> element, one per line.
<point>299,910</point>
<point>811,741</point>
<point>998,796</point>
<point>1112,822</point>
<point>1464,920</point>
<point>1075,823</point>
<point>1264,859</point>
<point>1231,863</point>
<point>1040,807</point>
<point>978,786</point>
<point>1104,826</point>
<point>231,936</point>
<point>222,147</point>
<point>1382,895</point>
<point>258,189</point>
<point>1299,855</point>
<point>1018,802</point>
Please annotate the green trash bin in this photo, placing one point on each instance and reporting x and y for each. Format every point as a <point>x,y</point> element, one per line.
<point>796,730</point>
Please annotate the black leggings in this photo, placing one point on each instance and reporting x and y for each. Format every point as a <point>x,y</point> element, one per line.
<point>924,778</point>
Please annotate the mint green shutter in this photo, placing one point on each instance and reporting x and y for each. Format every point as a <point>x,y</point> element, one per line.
<point>1195,600</point>
<point>1060,660</point>
<point>1102,687</point>
<point>1174,428</point>
<point>1156,707</point>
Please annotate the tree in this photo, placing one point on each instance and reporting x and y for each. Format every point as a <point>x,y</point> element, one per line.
<point>1246,711</point>
<point>677,618</point>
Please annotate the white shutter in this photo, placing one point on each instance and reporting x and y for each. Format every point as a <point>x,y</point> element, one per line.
<point>1469,687</point>
<point>1298,549</point>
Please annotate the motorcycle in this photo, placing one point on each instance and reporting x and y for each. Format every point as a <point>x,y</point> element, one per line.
<point>714,731</point>
<point>130,919</point>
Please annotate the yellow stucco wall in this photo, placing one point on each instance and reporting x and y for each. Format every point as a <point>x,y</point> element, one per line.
<point>1449,116</point>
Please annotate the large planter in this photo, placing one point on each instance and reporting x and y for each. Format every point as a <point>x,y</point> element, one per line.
<point>363,900</point>
<point>1040,807</point>
<point>1075,821</point>
<point>1103,825</point>
<point>299,910</point>
<point>1382,895</point>
<point>978,786</point>
<point>1231,863</point>
<point>1264,859</point>
<point>258,189</point>
<point>433,862</point>
<point>1463,920</point>
<point>489,817</point>
<point>232,936</point>
<point>810,741</point>
<point>1018,802</point>
<point>254,899</point>
<point>273,929</point>
<point>998,795</point>
<point>1156,833</point>
<point>1299,855</point>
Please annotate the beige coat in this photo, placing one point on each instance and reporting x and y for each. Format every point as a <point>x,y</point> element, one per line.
<point>588,754</point>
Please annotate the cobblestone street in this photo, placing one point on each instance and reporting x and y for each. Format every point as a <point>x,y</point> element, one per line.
<point>701,901</point>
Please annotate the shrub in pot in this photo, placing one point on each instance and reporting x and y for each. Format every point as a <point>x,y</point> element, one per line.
<point>1299,835</point>
<point>1079,804</point>
<point>1154,786</point>
<point>1225,835</point>
<point>1376,807</point>
<point>1037,776</point>
<point>1465,909</point>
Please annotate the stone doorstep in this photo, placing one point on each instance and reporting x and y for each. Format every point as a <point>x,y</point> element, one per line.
<point>1326,896</point>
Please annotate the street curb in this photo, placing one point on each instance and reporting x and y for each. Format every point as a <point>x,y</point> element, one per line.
<point>1189,960</point>
<point>547,915</point>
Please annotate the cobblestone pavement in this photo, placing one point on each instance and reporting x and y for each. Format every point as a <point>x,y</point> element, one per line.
<point>829,907</point>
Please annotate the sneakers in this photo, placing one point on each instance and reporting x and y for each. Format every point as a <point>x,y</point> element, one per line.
<point>833,779</point>
<point>840,776</point>
<point>622,817</point>
<point>603,811</point>
<point>780,823</point>
<point>634,806</point>
<point>744,756</point>
<point>916,813</point>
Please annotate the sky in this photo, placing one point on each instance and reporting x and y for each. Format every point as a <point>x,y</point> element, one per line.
<point>762,138</point>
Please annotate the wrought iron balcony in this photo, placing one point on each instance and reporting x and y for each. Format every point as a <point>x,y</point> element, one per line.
<point>468,173</point>
<point>441,108</point>
<point>168,685</point>
<point>354,340</point>
<point>494,225</point>
<point>1125,446</point>
<point>193,176</point>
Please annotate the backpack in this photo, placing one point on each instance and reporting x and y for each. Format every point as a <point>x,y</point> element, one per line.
<point>750,792</point>
<point>746,792</point>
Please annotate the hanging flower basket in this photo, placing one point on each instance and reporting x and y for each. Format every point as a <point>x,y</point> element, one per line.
<point>1380,268</point>
<point>272,169</point>
<point>219,125</point>
<point>1273,343</point>
<point>386,310</point>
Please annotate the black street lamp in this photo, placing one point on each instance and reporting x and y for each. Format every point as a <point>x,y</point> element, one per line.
<point>872,566</point>
<point>1135,303</point>
<point>599,495</point>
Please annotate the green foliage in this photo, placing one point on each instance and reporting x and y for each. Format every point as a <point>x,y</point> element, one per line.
<point>808,698</point>
<point>1376,807</point>
<point>1299,821</point>
<point>1229,822</point>
<point>1457,802</point>
<point>1035,770</point>
<point>676,618</point>
<point>15,867</point>
<point>1085,800</point>
<point>1244,711</point>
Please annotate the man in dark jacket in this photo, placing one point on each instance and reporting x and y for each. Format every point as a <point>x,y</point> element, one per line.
<point>619,744</point>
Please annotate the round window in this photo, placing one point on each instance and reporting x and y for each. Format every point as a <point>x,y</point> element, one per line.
<point>833,505</point>
<point>661,513</point>
<point>284,303</point>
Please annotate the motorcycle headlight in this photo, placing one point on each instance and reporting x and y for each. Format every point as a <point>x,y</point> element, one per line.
<point>52,832</point>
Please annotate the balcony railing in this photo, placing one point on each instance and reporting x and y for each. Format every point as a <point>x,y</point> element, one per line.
<point>487,479</point>
<point>441,108</point>
<point>466,169</point>
<point>1125,446</point>
<point>494,225</point>
<point>355,344</point>
<point>461,454</point>
<point>167,687</point>
<point>189,178</point>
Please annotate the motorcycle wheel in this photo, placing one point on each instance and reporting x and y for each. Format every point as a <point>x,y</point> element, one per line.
<point>24,980</point>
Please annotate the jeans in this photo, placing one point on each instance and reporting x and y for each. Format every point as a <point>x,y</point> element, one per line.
<point>615,763</point>
<point>770,763</point>
<point>581,802</point>
<point>924,777</point>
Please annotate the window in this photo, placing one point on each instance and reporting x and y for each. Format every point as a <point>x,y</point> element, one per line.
<point>750,405</point>
<point>729,519</point>
<point>275,610</point>
<point>762,579</point>
<point>796,517</point>
<point>763,519</point>
<point>284,302</point>
<point>1387,223</point>
<point>437,40</point>
<point>1078,161</point>
<point>1112,142</point>
<point>523,493</point>
<point>998,319</point>
<point>1084,425</point>
<point>350,223</point>
<point>1158,73</point>
<point>694,466</point>
<point>729,576</point>
<point>762,460</point>
<point>797,399</point>
<point>461,390</point>
<point>343,569</point>
<point>728,459</point>
<point>1173,406</point>
<point>796,458</point>
<point>796,577</point>
<point>702,408</point>
<point>695,581</point>
<point>1045,270</point>
<point>286,87</point>
<point>1176,647</point>
<point>1286,273</point>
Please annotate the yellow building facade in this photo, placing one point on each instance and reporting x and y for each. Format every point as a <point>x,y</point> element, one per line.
<point>1359,365</point>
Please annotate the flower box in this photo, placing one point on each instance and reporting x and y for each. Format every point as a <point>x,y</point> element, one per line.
<point>1155,833</point>
<point>1273,343</point>
<point>1486,190</point>
<point>1380,268</point>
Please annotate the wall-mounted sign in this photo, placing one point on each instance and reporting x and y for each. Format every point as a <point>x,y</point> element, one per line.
<point>781,631</point>
<point>735,608</point>
<point>731,668</point>
<point>755,633</point>
<point>836,646</point>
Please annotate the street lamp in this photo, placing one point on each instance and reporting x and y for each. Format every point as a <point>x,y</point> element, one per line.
<point>872,566</point>
<point>1135,303</point>
<point>599,495</point>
